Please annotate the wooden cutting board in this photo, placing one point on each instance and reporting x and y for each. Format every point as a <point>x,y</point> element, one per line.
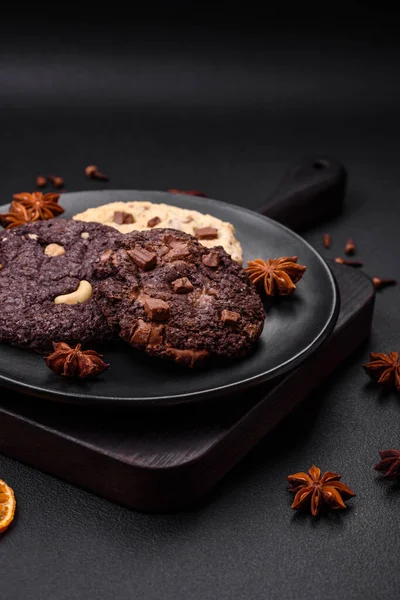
<point>165,458</point>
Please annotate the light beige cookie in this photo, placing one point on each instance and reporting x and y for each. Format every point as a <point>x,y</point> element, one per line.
<point>131,216</point>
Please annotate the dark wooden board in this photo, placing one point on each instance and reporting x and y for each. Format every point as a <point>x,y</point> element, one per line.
<point>164,458</point>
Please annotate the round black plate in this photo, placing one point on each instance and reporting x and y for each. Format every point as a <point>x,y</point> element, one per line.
<point>294,327</point>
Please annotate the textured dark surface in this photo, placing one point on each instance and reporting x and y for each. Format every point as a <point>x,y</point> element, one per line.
<point>30,280</point>
<point>187,321</point>
<point>227,115</point>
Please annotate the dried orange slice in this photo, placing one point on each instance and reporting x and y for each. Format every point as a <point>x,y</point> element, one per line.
<point>7,505</point>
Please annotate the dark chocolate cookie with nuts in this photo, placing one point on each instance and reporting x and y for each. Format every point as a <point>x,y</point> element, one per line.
<point>176,299</point>
<point>46,292</point>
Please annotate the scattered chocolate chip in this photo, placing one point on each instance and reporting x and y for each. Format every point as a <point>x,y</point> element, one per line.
<point>132,294</point>
<point>229,317</point>
<point>175,243</point>
<point>140,296</point>
<point>168,238</point>
<point>118,217</point>
<point>182,286</point>
<point>123,218</point>
<point>41,181</point>
<point>189,358</point>
<point>206,233</point>
<point>156,334</point>
<point>210,260</point>
<point>158,310</point>
<point>211,292</point>
<point>57,182</point>
<point>162,250</point>
<point>141,333</point>
<point>179,249</point>
<point>153,222</point>
<point>251,330</point>
<point>106,256</point>
<point>143,258</point>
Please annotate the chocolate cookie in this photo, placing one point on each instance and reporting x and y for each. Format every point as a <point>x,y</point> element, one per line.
<point>142,216</point>
<point>174,298</point>
<point>45,283</point>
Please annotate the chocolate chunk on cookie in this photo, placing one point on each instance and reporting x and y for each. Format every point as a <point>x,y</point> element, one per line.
<point>172,297</point>
<point>123,218</point>
<point>46,288</point>
<point>207,233</point>
<point>182,286</point>
<point>230,317</point>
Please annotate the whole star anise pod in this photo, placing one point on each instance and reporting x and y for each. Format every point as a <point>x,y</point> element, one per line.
<point>313,491</point>
<point>19,216</point>
<point>390,464</point>
<point>384,368</point>
<point>40,206</point>
<point>74,362</point>
<point>277,276</point>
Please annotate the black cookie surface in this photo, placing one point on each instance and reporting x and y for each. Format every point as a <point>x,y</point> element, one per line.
<point>172,297</point>
<point>30,280</point>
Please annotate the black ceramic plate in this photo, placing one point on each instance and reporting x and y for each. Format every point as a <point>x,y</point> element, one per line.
<point>294,327</point>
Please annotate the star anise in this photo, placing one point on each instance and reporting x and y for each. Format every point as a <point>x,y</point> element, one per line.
<point>278,276</point>
<point>40,206</point>
<point>74,362</point>
<point>384,368</point>
<point>313,491</point>
<point>390,464</point>
<point>19,216</point>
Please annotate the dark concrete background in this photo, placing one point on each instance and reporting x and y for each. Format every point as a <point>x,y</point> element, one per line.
<point>224,109</point>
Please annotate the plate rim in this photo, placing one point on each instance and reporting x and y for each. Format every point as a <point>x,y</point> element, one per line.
<point>197,396</point>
